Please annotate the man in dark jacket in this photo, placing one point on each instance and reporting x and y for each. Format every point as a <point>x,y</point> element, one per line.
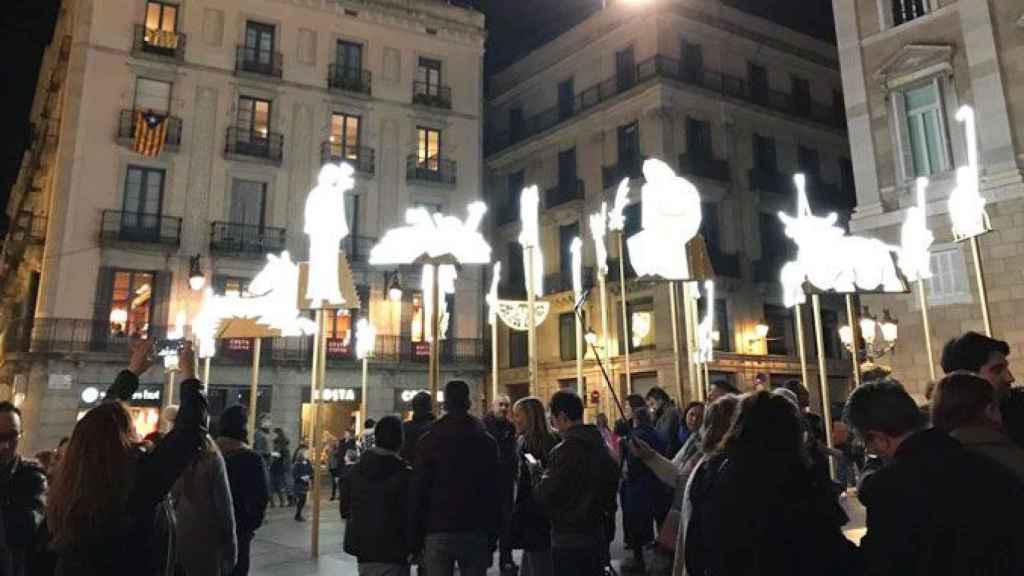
<point>247,476</point>
<point>667,420</point>
<point>22,498</point>
<point>504,433</point>
<point>415,428</point>
<point>577,489</point>
<point>454,508</point>
<point>375,503</point>
<point>934,509</point>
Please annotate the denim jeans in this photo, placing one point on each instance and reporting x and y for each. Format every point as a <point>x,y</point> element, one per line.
<point>470,550</point>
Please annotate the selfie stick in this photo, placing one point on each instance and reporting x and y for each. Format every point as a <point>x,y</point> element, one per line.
<point>578,310</point>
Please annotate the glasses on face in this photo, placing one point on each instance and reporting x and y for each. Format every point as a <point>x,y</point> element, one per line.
<point>9,437</point>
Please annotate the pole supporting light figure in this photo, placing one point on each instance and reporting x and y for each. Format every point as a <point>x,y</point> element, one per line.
<point>851,317</point>
<point>366,337</point>
<point>915,260</point>
<point>492,318</point>
<point>967,208</point>
<point>576,249</point>
<point>674,312</point>
<point>529,239</point>
<point>826,401</point>
<point>617,223</point>
<point>598,233</point>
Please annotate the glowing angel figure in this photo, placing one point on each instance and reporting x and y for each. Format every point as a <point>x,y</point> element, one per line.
<point>916,239</point>
<point>598,231</point>
<point>204,326</point>
<point>966,204</point>
<point>366,336</point>
<point>706,327</point>
<point>492,294</point>
<point>326,226</point>
<point>426,237</point>
<point>529,236</point>
<point>671,218</point>
<point>832,261</point>
<point>446,285</point>
<point>617,217</point>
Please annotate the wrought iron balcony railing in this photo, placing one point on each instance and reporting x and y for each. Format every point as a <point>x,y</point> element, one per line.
<point>253,60</point>
<point>128,124</point>
<point>361,158</point>
<point>769,181</point>
<point>268,146</point>
<point>562,194</point>
<point>433,169</point>
<point>435,95</point>
<point>245,239</point>
<point>123,226</point>
<point>162,43</point>
<point>704,167</point>
<point>349,79</point>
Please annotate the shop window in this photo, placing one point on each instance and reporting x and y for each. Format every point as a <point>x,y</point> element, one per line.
<point>640,314</point>
<point>131,304</point>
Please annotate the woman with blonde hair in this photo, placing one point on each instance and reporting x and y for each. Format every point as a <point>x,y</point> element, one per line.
<point>530,527</point>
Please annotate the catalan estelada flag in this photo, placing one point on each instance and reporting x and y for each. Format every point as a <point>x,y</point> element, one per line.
<point>150,133</point>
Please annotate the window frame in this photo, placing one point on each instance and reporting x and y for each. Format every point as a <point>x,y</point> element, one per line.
<point>135,94</point>
<point>252,132</point>
<point>958,261</point>
<point>567,336</point>
<point>163,6</point>
<point>132,289</point>
<point>904,132</point>
<point>886,13</point>
<point>423,136</point>
<point>342,140</point>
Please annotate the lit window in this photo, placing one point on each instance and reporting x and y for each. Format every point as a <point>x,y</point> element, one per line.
<point>131,304</point>
<point>161,16</point>
<point>428,150</point>
<point>345,136</point>
<point>641,324</point>
<point>416,328</point>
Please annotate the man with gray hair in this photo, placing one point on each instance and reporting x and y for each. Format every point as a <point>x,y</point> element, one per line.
<point>499,426</point>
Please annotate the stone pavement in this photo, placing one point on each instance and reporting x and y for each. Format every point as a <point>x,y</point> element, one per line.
<point>281,547</point>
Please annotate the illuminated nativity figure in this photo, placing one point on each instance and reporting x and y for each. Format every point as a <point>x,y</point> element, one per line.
<point>326,226</point>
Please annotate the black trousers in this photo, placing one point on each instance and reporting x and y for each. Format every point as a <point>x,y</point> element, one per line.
<point>300,503</point>
<point>242,565</point>
<point>577,561</point>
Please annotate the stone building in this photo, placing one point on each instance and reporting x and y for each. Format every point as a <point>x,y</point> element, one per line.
<point>734,103</point>
<point>907,66</point>
<point>167,129</point>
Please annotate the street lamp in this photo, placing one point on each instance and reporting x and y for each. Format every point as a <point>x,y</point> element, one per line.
<point>394,288</point>
<point>760,334</point>
<point>871,329</point>
<point>196,278</point>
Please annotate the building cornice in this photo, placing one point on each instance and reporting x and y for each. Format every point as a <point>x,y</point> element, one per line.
<point>914,62</point>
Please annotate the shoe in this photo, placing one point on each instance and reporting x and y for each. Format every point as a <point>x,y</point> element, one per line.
<point>633,566</point>
<point>300,519</point>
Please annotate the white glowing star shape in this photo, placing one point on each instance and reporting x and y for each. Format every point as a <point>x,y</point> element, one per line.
<point>427,237</point>
<point>916,239</point>
<point>671,218</point>
<point>598,231</point>
<point>326,226</point>
<point>966,204</point>
<point>366,336</point>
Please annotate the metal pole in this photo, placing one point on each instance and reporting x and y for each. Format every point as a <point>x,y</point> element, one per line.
<point>707,375</point>
<point>494,358</point>
<point>364,401</point>
<point>689,321</point>
<point>982,292</point>
<point>435,340</point>
<point>625,321</point>
<point>927,325</point>
<point>674,311</point>
<point>206,375</point>
<point>851,317</point>
<point>253,381</point>
<point>531,298</point>
<point>826,402</point>
<point>801,344</point>
<point>319,346</point>
<point>579,357</point>
<point>603,284</point>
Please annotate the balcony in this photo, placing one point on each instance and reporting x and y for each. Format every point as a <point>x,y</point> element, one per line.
<point>252,60</point>
<point>769,181</point>
<point>245,240</point>
<point>433,95</point>
<point>266,146</point>
<point>357,248</point>
<point>703,166</point>
<point>665,68</point>
<point>432,170</point>
<point>163,44</point>
<point>128,126</point>
<point>612,175</point>
<point>28,227</point>
<point>349,79</point>
<point>134,227</point>
<point>562,281</point>
<point>563,194</point>
<point>361,158</point>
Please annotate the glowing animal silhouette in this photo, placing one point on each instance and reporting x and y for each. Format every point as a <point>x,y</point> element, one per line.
<point>966,204</point>
<point>426,237</point>
<point>598,231</point>
<point>916,239</point>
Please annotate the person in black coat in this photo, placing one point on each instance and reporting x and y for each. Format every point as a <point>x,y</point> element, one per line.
<point>531,529</point>
<point>302,477</point>
<point>422,419</point>
<point>247,476</point>
<point>645,494</point>
<point>22,499</point>
<point>107,510</point>
<point>500,427</point>
<point>374,501</point>
<point>933,509</point>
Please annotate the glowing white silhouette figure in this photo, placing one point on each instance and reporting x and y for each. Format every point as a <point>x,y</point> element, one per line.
<point>366,336</point>
<point>598,231</point>
<point>617,217</point>
<point>671,218</point>
<point>326,225</point>
<point>492,294</point>
<point>966,204</point>
<point>529,237</point>
<point>576,249</point>
<point>832,261</point>
<point>446,285</point>
<point>706,327</point>
<point>427,237</point>
<point>916,239</point>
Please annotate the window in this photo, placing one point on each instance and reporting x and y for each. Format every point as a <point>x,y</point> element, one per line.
<point>567,336</point>
<point>253,118</point>
<point>143,199</point>
<point>721,324</point>
<point>566,98</point>
<point>809,162</point>
<point>152,95</point>
<point>758,83</point>
<point>949,283</point>
<point>339,333</point>
<point>641,324</point>
<point>516,124</point>
<point>632,215</point>
<point>566,234</point>
<point>698,139</point>
<point>625,68</point>
<point>248,198</point>
<point>518,349</point>
<point>428,149</point>
<point>693,62</point>
<point>847,182</point>
<point>801,97</point>
<point>509,205</point>
<point>775,247</point>
<point>131,303</point>
<point>428,75</point>
<point>906,10</point>
<point>345,136</point>
<point>924,148</point>
<point>349,56</point>
<point>764,154</point>
<point>709,225</point>
<point>567,171</point>
<point>161,17</point>
<point>516,280</point>
<point>830,328</point>
<point>259,42</point>
<point>780,329</point>
<point>231,285</point>
<point>418,321</point>
<point>629,149</point>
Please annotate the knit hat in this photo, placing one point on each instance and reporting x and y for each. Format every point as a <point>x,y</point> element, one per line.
<point>233,423</point>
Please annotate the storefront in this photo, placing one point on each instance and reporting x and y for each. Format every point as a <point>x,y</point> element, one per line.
<point>220,398</point>
<point>403,401</point>
<point>340,412</point>
<point>144,407</point>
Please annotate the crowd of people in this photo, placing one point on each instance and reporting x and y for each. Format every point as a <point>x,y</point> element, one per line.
<point>742,484</point>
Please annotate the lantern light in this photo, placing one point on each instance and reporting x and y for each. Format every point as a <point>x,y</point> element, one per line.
<point>761,331</point>
<point>196,278</point>
<point>867,327</point>
<point>846,335</point>
<point>590,337</point>
<point>890,328</point>
<point>366,336</point>
<point>394,288</point>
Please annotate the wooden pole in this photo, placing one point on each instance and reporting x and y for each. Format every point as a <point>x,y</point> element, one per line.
<point>206,375</point>
<point>623,293</point>
<point>826,402</point>
<point>316,389</point>
<point>927,325</point>
<point>254,379</point>
<point>435,340</point>
<point>689,322</point>
<point>494,358</point>
<point>579,357</point>
<point>801,344</point>
<point>603,285</point>
<point>531,299</point>
<point>851,317</point>
<point>169,390</point>
<point>676,352</point>
<point>982,291</point>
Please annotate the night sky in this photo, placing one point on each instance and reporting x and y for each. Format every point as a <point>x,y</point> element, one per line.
<point>514,27</point>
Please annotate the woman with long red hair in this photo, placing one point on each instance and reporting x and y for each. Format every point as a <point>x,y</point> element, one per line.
<point>107,509</point>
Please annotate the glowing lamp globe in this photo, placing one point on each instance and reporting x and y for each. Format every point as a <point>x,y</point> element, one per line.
<point>846,335</point>
<point>867,329</point>
<point>366,336</point>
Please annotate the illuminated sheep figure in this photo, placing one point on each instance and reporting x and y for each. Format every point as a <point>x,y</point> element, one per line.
<point>916,239</point>
<point>832,261</point>
<point>966,204</point>
<point>671,218</point>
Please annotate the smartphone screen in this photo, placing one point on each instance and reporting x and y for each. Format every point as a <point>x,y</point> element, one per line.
<point>530,459</point>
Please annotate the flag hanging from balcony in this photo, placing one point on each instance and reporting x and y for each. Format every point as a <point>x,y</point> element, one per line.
<point>150,133</point>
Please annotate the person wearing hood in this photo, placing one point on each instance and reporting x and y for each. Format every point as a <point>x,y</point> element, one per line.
<point>374,501</point>
<point>577,489</point>
<point>247,477</point>
<point>422,419</point>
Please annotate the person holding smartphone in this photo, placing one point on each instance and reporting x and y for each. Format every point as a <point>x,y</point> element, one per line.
<point>530,526</point>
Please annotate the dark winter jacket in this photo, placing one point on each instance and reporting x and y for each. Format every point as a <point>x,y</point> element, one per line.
<point>455,480</point>
<point>413,430</point>
<point>302,475</point>
<point>375,502</point>
<point>139,541</point>
<point>668,424</point>
<point>250,492</point>
<point>758,515</point>
<point>937,509</point>
<point>578,488</point>
<point>646,495</point>
<point>504,433</point>
<point>22,505</point>
<point>531,529</point>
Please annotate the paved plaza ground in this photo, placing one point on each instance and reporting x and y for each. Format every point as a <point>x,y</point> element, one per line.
<point>282,545</point>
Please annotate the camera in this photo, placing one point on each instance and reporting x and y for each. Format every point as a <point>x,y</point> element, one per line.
<point>165,347</point>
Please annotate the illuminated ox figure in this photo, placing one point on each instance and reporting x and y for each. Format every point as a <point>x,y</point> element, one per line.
<point>832,261</point>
